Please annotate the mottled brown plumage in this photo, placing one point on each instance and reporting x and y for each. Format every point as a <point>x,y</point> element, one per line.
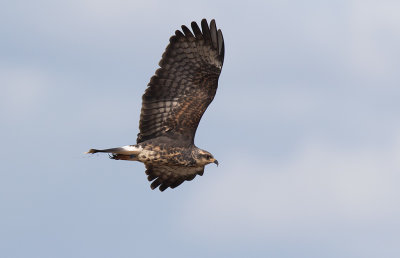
<point>173,104</point>
<point>184,85</point>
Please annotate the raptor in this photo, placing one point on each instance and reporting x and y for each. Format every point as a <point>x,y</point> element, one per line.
<point>174,102</point>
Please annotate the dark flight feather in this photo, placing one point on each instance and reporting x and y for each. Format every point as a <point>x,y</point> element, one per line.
<point>184,85</point>
<point>171,176</point>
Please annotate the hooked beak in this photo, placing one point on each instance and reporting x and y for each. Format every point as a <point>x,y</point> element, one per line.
<point>216,162</point>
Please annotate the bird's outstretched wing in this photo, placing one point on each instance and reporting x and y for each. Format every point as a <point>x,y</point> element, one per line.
<point>164,176</point>
<point>184,85</point>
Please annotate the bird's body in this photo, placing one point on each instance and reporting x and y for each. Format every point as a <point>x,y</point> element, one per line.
<point>173,104</point>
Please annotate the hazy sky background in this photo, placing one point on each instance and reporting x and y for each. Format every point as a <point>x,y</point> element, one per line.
<point>305,126</point>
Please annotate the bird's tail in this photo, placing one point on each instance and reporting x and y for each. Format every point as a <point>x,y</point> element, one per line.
<point>126,150</point>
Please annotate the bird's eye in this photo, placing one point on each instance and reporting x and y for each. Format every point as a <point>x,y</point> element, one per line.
<point>208,157</point>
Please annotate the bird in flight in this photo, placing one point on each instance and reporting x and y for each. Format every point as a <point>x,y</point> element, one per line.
<point>174,102</point>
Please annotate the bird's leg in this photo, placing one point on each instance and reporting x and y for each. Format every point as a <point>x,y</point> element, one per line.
<point>131,157</point>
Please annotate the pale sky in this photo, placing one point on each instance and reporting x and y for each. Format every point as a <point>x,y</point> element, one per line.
<point>305,126</point>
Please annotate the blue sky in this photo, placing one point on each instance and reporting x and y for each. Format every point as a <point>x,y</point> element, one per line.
<point>305,127</point>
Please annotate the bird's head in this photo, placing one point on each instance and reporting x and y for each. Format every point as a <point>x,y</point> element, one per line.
<point>204,157</point>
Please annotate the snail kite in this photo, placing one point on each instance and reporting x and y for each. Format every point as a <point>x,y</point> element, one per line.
<point>172,106</point>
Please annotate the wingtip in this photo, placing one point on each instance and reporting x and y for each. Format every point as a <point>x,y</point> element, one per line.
<point>186,31</point>
<point>212,23</point>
